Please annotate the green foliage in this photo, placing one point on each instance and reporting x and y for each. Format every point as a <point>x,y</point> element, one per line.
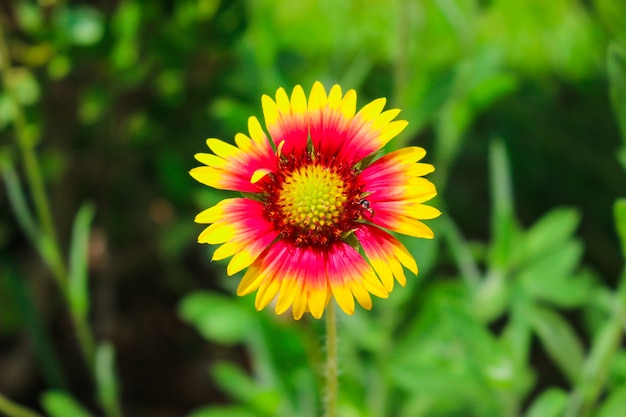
<point>60,403</point>
<point>519,306</point>
<point>217,317</point>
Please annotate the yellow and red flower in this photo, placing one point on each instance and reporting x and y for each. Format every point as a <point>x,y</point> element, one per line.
<point>318,206</point>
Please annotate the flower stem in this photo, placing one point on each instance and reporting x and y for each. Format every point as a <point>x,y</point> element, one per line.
<point>330,409</point>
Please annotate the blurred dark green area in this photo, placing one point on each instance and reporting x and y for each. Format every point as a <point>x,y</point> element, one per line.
<point>119,95</point>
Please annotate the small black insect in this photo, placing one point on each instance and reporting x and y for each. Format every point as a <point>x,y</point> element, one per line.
<point>366,205</point>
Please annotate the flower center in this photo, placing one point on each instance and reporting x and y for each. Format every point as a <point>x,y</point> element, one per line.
<point>313,197</point>
<point>314,202</point>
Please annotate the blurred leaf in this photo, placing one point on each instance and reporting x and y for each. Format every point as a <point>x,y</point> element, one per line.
<point>170,85</point>
<point>559,340</point>
<point>438,383</point>
<point>492,88</point>
<point>491,296</point>
<point>59,66</point>
<point>125,24</point>
<point>126,19</point>
<point>83,25</point>
<point>216,317</point>
<point>17,199</point>
<point>13,409</point>
<point>23,84</point>
<point>216,411</point>
<point>615,404</point>
<point>619,211</point>
<point>29,16</point>
<point>503,217</point>
<point>551,277</point>
<point>230,378</point>
<point>62,404</point>
<point>93,103</point>
<point>78,263</point>
<point>552,229</point>
<point>106,379</point>
<point>616,67</point>
<point>550,403</point>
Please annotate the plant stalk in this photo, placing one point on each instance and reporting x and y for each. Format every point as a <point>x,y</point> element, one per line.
<point>332,362</point>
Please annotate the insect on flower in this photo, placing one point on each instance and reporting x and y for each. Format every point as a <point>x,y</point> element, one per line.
<point>367,207</point>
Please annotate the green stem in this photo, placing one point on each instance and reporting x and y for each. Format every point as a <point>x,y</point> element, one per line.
<point>85,340</point>
<point>330,399</point>
<point>26,142</point>
<point>11,409</point>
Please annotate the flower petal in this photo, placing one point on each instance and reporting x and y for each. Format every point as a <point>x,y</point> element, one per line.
<point>238,224</point>
<point>386,255</point>
<point>349,274</point>
<point>303,279</point>
<point>234,167</point>
<point>286,120</point>
<point>395,191</point>
<point>294,274</point>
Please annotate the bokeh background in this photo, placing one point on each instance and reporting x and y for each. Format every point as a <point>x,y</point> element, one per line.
<point>517,309</point>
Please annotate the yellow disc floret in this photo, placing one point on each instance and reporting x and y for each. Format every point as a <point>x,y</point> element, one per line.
<point>313,198</point>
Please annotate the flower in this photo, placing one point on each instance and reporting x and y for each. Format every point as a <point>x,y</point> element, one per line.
<point>317,206</point>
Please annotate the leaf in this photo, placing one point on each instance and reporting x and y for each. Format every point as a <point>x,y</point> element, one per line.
<point>243,388</point>
<point>553,228</point>
<point>13,409</point>
<point>551,403</point>
<point>559,341</point>
<point>616,67</point>
<point>619,212</point>
<point>15,193</point>
<point>551,277</point>
<point>615,404</point>
<point>79,252</point>
<point>61,404</point>
<point>106,379</point>
<point>216,317</point>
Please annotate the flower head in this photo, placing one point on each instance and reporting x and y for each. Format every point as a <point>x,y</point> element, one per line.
<point>318,207</point>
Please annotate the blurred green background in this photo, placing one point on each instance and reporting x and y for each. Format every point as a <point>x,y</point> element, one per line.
<point>519,306</point>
